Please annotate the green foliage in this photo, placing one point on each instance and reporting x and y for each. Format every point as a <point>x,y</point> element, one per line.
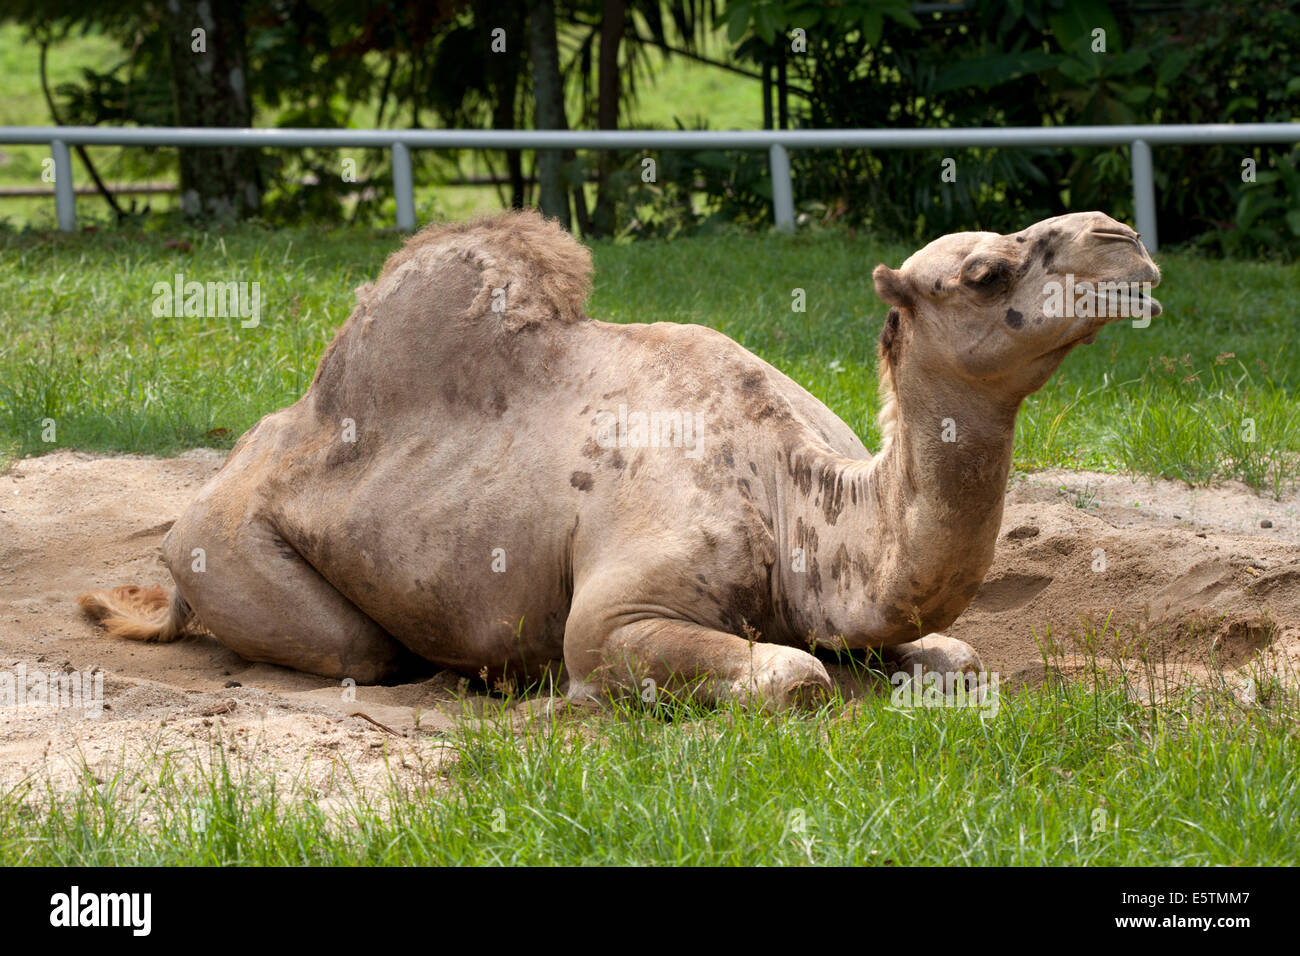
<point>868,64</point>
<point>694,192</point>
<point>1031,63</point>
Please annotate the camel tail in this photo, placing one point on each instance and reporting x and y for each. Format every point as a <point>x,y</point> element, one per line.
<point>138,614</point>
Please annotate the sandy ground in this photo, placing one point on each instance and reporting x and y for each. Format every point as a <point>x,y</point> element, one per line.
<point>1199,578</point>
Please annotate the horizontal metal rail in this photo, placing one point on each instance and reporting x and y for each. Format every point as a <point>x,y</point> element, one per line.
<point>1139,139</point>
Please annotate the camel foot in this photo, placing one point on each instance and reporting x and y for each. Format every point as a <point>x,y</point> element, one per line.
<point>783,678</point>
<point>557,707</point>
<point>778,679</point>
<point>953,660</point>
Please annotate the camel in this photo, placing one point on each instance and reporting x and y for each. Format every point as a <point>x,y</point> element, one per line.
<point>482,476</point>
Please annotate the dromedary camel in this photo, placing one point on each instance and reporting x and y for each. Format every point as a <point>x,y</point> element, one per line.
<point>471,477</point>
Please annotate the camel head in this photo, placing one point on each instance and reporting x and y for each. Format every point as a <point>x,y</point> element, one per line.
<point>1002,312</point>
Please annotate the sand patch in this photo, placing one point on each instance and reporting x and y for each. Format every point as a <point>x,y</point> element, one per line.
<point>1201,579</point>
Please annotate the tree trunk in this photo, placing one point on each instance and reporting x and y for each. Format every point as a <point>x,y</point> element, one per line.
<point>209,79</point>
<point>612,25</point>
<point>548,91</point>
<point>782,93</point>
<point>579,184</point>
<point>503,74</point>
<point>515,165</point>
<point>767,94</point>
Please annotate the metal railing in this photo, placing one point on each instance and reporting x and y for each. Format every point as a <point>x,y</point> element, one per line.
<point>1139,139</point>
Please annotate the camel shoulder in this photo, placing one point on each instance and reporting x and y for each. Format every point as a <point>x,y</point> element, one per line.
<point>763,392</point>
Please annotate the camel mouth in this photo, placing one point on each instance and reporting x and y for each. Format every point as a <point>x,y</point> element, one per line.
<point>1141,303</point>
<point>1132,299</point>
<point>1141,307</point>
<point>1150,306</point>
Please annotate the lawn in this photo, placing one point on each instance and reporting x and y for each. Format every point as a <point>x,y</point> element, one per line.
<point>80,346</point>
<point>1063,774</point>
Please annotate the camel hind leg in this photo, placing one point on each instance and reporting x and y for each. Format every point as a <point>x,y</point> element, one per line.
<point>262,600</point>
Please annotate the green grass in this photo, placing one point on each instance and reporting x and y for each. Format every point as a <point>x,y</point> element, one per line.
<point>79,344</point>
<point>1064,774</point>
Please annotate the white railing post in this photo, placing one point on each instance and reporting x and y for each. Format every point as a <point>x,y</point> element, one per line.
<point>1144,194</point>
<point>403,188</point>
<point>782,188</point>
<point>65,197</point>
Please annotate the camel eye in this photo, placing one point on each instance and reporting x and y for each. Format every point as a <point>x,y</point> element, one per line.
<point>989,276</point>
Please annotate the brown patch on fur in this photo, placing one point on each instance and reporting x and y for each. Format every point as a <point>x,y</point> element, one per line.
<point>831,486</point>
<point>581,480</point>
<point>840,568</point>
<point>805,536</point>
<point>1043,250</point>
<point>800,472</point>
<point>759,399</point>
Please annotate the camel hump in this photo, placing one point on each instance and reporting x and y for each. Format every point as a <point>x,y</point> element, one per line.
<point>531,269</point>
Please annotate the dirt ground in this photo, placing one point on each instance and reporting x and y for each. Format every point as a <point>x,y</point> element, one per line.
<point>1197,578</point>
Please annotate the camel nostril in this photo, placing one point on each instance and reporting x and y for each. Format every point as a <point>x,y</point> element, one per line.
<point>1132,237</point>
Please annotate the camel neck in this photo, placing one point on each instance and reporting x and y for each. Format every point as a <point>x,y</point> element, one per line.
<point>873,546</point>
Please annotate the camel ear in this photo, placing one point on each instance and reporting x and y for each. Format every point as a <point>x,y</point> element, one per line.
<point>892,286</point>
